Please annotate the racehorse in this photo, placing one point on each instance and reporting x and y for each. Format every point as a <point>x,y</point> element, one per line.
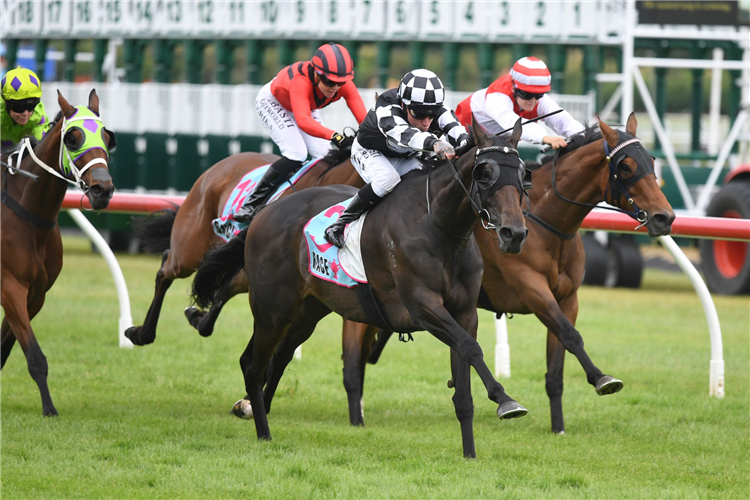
<point>184,236</point>
<point>31,244</point>
<point>421,261</point>
<point>609,166</point>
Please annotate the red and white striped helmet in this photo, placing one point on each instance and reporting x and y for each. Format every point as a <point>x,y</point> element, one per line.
<point>531,74</point>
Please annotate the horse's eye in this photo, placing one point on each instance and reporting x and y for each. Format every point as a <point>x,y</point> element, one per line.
<point>73,139</point>
<point>625,169</point>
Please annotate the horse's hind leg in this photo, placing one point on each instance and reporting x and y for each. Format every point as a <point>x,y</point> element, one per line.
<point>19,318</point>
<point>357,342</point>
<point>146,333</point>
<point>554,381</point>
<point>308,317</point>
<point>7,342</point>
<point>204,321</point>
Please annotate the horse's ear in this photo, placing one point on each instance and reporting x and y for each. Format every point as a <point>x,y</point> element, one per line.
<point>609,135</point>
<point>631,125</point>
<point>65,106</point>
<point>376,97</point>
<point>94,101</point>
<point>516,135</point>
<point>480,137</point>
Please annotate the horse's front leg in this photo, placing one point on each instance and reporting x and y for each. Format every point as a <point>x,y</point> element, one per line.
<point>463,402</point>
<point>19,320</point>
<point>428,313</point>
<point>357,339</point>
<point>537,296</point>
<point>7,342</point>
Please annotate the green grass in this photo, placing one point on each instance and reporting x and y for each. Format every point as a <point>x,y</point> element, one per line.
<point>154,422</point>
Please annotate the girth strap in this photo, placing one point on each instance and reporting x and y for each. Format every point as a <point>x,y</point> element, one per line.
<point>370,306</point>
<point>25,214</point>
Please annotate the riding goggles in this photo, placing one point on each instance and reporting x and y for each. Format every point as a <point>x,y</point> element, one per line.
<point>328,82</point>
<point>19,106</point>
<point>527,96</point>
<point>420,113</point>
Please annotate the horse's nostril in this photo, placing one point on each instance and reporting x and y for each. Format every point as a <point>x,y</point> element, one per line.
<point>661,220</point>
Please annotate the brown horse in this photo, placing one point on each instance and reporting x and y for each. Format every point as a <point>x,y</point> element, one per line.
<point>610,166</point>
<point>184,236</point>
<point>31,244</point>
<point>422,264</point>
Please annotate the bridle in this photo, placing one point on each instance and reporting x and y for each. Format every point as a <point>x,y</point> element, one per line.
<point>481,190</point>
<point>627,147</point>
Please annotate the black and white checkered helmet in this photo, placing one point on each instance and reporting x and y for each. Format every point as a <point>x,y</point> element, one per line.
<point>421,88</point>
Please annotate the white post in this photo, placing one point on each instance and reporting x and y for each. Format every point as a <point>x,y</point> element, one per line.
<point>666,144</point>
<point>126,321</point>
<point>716,377</point>
<point>502,348</point>
<point>714,108</point>
<point>627,61</point>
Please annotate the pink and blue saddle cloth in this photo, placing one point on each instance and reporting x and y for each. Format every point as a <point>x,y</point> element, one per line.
<point>340,266</point>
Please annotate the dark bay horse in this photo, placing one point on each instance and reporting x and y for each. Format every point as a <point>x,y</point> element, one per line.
<point>76,147</point>
<point>421,261</point>
<point>544,279</point>
<point>184,236</point>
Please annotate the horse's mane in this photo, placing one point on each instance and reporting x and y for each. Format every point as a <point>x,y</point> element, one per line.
<point>589,135</point>
<point>335,157</point>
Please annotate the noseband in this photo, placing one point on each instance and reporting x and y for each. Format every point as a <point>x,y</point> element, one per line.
<point>481,190</point>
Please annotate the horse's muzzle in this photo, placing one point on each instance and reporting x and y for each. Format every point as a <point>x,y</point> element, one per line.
<point>660,224</point>
<point>99,194</point>
<point>512,238</point>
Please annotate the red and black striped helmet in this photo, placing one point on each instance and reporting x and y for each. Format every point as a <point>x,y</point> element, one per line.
<point>334,62</point>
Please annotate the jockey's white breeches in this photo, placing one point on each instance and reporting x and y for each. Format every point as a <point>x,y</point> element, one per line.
<point>284,131</point>
<point>379,170</point>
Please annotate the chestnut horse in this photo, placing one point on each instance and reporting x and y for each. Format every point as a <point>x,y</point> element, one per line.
<point>184,236</point>
<point>31,245</point>
<point>605,165</point>
<point>421,261</point>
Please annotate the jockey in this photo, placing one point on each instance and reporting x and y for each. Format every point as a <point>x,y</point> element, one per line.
<point>403,121</point>
<point>21,109</point>
<point>520,93</point>
<point>288,107</point>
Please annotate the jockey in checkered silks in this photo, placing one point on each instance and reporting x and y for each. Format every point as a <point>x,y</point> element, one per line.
<point>403,122</point>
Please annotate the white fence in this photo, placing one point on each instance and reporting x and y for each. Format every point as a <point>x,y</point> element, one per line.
<point>214,109</point>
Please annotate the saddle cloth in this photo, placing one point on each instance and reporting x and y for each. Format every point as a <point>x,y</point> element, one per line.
<point>225,226</point>
<point>343,267</point>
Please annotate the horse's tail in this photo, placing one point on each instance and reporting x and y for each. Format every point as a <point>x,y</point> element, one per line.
<point>155,230</point>
<point>219,266</point>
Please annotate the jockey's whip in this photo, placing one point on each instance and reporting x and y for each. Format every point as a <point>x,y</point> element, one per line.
<point>532,120</point>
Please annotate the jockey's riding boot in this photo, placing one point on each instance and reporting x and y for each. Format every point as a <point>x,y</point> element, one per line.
<point>363,201</point>
<point>277,173</point>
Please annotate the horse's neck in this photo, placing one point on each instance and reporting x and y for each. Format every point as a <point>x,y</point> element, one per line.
<point>44,196</point>
<point>450,205</point>
<point>580,176</point>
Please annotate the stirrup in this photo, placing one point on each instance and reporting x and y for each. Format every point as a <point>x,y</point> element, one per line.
<point>244,214</point>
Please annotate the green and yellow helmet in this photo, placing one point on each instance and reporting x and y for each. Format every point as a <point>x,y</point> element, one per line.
<point>21,83</point>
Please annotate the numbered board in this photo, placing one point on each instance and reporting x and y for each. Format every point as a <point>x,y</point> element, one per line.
<point>535,21</point>
<point>24,17</point>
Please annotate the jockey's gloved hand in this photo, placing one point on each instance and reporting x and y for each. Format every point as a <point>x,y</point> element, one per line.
<point>464,146</point>
<point>444,150</point>
<point>342,141</point>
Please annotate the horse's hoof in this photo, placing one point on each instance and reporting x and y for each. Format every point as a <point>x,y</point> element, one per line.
<point>608,385</point>
<point>52,413</point>
<point>194,317</point>
<point>511,409</point>
<point>243,409</point>
<point>134,334</point>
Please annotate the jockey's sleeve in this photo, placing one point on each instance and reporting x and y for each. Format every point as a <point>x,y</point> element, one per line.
<point>393,126</point>
<point>41,128</point>
<point>354,101</point>
<point>500,108</point>
<point>451,127</point>
<point>300,96</point>
<point>562,123</point>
